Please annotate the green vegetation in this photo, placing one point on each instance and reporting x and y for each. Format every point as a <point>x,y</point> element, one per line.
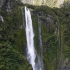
<point>13,38</point>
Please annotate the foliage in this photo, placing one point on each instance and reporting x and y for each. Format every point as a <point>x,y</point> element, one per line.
<point>13,39</point>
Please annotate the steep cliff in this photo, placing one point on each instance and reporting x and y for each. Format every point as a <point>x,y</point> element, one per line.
<point>11,57</point>
<point>50,3</point>
<point>55,31</point>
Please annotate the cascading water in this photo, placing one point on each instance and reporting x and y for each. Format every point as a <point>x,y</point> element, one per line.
<point>40,37</point>
<point>40,58</point>
<point>30,41</point>
<point>34,59</point>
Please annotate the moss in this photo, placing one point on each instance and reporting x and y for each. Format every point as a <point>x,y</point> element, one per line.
<point>36,36</point>
<point>11,33</point>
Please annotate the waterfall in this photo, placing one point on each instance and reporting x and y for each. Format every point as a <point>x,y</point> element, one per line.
<point>40,60</point>
<point>34,59</point>
<point>40,37</point>
<point>30,39</point>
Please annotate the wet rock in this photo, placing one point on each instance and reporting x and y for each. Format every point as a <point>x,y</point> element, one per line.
<point>21,27</point>
<point>8,7</point>
<point>47,20</point>
<point>65,66</point>
<point>1,18</point>
<point>2,2</point>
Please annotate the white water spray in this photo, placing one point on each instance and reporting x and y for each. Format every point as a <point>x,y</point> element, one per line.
<point>30,41</point>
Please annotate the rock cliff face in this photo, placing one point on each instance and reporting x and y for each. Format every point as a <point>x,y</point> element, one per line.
<point>50,3</point>
<point>2,2</point>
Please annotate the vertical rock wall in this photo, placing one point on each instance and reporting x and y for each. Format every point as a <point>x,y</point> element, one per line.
<point>50,3</point>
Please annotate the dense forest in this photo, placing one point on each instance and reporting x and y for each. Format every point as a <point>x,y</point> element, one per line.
<point>55,30</point>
